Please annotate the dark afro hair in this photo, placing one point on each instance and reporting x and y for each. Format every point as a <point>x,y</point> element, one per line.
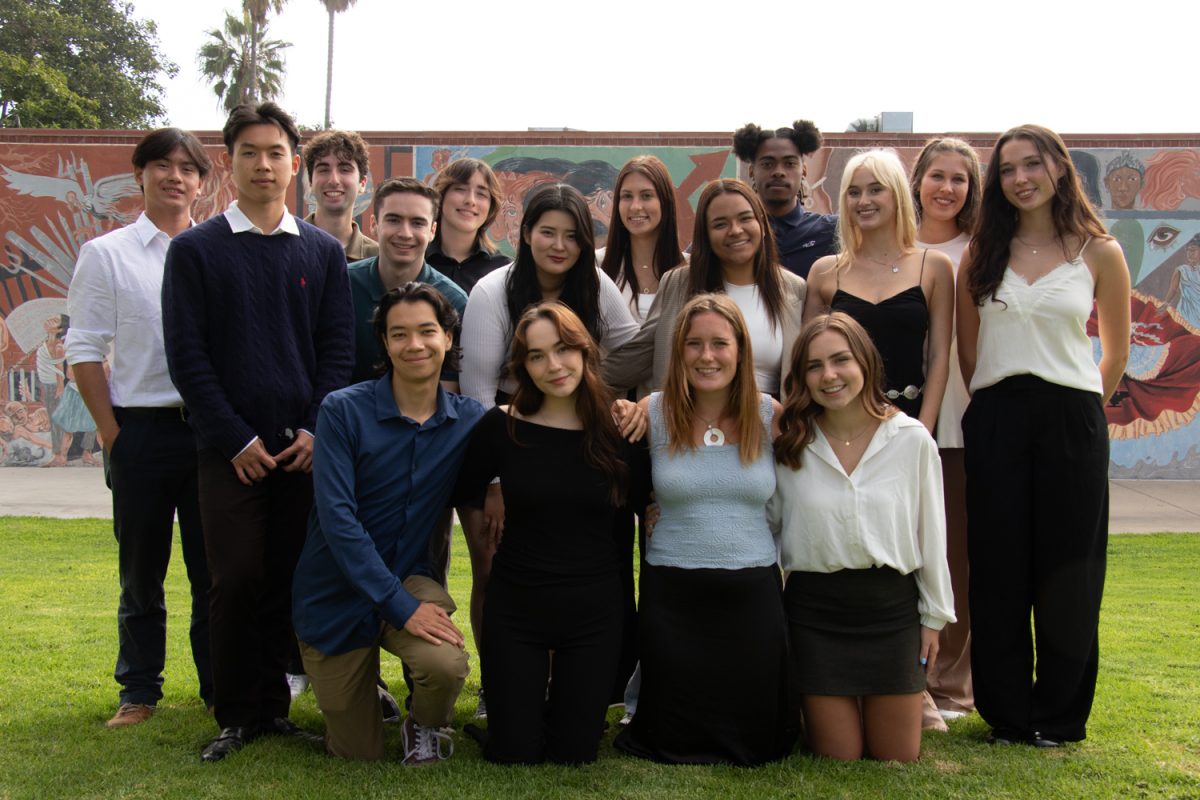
<point>803,133</point>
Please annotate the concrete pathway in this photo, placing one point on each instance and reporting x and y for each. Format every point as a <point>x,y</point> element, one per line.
<point>1136,506</point>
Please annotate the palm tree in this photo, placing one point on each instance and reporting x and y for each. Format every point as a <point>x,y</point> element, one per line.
<point>256,12</point>
<point>333,7</point>
<point>229,60</point>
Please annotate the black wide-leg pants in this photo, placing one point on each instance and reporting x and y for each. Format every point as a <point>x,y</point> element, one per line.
<point>1037,506</point>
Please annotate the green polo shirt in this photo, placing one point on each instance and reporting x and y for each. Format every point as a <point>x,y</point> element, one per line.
<point>366,290</point>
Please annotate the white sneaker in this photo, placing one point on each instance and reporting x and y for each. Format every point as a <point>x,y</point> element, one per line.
<point>424,746</point>
<point>949,715</point>
<point>481,708</point>
<point>297,684</point>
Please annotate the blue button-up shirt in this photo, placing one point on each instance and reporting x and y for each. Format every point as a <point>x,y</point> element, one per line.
<point>381,481</point>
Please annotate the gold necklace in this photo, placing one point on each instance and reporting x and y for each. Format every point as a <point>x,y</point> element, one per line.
<point>892,265</point>
<point>1031,247</point>
<point>847,442</point>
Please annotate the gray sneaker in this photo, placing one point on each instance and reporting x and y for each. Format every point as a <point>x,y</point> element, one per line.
<point>481,707</point>
<point>297,684</point>
<point>423,746</point>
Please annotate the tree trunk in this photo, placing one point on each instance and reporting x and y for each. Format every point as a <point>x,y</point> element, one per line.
<point>329,72</point>
<point>251,89</point>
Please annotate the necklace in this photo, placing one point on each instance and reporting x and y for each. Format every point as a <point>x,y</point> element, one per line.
<point>1031,247</point>
<point>851,439</point>
<point>892,265</point>
<point>713,436</point>
<point>647,289</point>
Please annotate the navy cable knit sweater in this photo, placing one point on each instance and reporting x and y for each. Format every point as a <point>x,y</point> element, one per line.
<point>258,330</point>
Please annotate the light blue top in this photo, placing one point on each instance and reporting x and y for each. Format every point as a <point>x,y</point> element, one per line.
<point>714,507</point>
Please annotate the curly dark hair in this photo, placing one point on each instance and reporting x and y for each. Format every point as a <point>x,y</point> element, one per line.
<point>803,133</point>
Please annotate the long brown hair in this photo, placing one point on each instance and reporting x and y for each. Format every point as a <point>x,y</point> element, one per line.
<point>602,442</point>
<point>797,421</point>
<point>679,407</point>
<point>1070,210</point>
<point>618,262</point>
<point>461,170</point>
<point>705,273</point>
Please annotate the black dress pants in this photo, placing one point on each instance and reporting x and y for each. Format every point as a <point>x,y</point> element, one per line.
<point>152,474</point>
<point>253,535</point>
<point>1037,509</point>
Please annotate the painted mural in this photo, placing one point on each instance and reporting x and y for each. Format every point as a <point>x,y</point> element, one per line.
<point>52,199</point>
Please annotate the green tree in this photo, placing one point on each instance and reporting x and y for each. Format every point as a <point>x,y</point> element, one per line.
<point>334,7</point>
<point>244,65</point>
<point>79,63</point>
<point>256,14</point>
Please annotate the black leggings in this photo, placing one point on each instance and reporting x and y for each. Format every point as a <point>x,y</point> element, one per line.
<point>580,622</point>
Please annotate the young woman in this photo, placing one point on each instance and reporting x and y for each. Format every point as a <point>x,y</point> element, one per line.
<point>858,503</point>
<point>902,295</point>
<point>711,623</point>
<point>733,251</point>
<point>555,585</point>
<point>945,189</point>
<point>1036,436</point>
<point>643,240</point>
<point>556,261</point>
<point>461,249</point>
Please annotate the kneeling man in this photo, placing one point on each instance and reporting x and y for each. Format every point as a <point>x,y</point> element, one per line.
<point>386,458</point>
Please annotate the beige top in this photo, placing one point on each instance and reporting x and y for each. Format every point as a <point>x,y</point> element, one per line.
<point>954,401</point>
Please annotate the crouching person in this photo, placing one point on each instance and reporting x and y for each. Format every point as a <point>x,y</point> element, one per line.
<point>386,457</point>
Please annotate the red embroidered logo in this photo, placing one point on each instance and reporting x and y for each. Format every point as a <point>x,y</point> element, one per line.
<point>303,282</point>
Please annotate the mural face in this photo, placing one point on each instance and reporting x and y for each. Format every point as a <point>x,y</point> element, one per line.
<point>53,198</point>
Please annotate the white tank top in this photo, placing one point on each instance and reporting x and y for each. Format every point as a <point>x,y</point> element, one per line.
<point>1039,329</point>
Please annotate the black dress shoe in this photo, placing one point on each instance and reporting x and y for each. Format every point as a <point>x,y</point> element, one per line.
<point>282,726</point>
<point>1004,736</point>
<point>1040,740</point>
<point>229,741</point>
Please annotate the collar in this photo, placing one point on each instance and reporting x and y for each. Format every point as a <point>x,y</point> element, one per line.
<point>386,408</point>
<point>435,249</point>
<point>147,231</point>
<point>886,431</point>
<point>793,217</point>
<point>371,265</point>
<point>240,223</point>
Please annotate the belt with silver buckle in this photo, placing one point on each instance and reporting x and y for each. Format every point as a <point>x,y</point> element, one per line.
<point>909,392</point>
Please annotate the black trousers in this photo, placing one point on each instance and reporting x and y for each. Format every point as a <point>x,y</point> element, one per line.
<point>152,474</point>
<point>253,535</point>
<point>1037,511</point>
<point>581,622</point>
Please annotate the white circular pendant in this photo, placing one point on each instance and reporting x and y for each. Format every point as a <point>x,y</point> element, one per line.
<point>714,437</point>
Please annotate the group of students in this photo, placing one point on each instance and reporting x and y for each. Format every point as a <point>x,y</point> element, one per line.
<point>802,566</point>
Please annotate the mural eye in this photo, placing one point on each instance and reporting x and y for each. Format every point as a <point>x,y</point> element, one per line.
<point>1162,237</point>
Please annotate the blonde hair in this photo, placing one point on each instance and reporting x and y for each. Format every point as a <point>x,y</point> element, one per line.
<point>888,170</point>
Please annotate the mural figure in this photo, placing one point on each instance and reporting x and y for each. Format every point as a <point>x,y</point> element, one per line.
<point>1123,178</point>
<point>1172,178</point>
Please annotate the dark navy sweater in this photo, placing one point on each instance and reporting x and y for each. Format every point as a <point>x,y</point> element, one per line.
<point>258,330</point>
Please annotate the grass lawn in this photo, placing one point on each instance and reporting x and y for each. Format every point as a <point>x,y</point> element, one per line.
<point>58,597</point>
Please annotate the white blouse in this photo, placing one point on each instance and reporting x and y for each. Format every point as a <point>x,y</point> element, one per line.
<point>887,513</point>
<point>766,340</point>
<point>1039,329</point>
<point>487,334</point>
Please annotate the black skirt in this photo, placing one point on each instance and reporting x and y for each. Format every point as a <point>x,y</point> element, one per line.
<point>713,645</point>
<point>854,632</point>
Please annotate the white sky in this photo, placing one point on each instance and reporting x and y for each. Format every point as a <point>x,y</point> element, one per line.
<point>646,65</point>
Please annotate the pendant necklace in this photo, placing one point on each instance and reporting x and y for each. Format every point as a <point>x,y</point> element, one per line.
<point>852,438</point>
<point>1031,247</point>
<point>892,265</point>
<point>713,436</point>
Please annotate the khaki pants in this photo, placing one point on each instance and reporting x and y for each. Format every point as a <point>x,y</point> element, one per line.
<point>345,684</point>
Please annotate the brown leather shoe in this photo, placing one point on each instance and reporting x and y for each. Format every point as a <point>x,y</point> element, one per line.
<point>131,714</point>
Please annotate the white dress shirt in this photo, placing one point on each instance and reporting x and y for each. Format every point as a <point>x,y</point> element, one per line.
<point>240,223</point>
<point>887,513</point>
<point>115,300</point>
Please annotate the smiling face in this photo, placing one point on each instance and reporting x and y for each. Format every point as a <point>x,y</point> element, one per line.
<point>944,187</point>
<point>1027,178</point>
<point>777,173</point>
<point>833,377</point>
<point>405,226</point>
<point>554,368</point>
<point>416,343</point>
<point>169,184</point>
<point>870,204</point>
<point>734,233</point>
<point>710,352</point>
<point>552,239</point>
<point>263,164</point>
<point>336,183</point>
<point>639,206</point>
<point>465,205</point>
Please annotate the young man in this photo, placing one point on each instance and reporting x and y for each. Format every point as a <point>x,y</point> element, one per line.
<point>405,213</point>
<point>115,300</point>
<point>777,170</point>
<point>385,464</point>
<point>258,328</point>
<point>337,166</point>
<point>461,249</point>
